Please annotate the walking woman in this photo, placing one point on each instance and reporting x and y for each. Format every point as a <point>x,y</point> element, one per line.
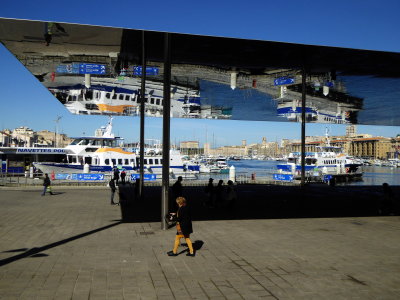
<point>183,226</point>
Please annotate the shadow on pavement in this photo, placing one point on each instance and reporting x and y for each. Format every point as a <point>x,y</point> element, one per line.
<point>36,252</point>
<point>264,202</point>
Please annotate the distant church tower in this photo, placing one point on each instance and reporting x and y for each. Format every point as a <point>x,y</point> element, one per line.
<point>351,130</point>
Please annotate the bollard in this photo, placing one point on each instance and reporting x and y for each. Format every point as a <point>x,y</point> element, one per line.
<point>232,174</point>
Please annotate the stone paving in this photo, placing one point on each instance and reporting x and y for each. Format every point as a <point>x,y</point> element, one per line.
<point>72,245</point>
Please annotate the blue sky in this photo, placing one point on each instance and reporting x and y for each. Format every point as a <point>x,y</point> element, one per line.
<point>354,24</point>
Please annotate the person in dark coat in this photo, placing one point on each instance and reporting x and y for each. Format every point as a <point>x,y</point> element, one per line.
<point>116,174</point>
<point>123,175</point>
<point>184,228</point>
<point>113,188</point>
<point>219,193</point>
<point>177,191</point>
<point>210,193</point>
<point>46,184</point>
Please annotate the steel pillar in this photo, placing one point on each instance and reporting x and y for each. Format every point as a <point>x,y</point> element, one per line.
<point>142,115</point>
<point>166,129</point>
<point>303,126</point>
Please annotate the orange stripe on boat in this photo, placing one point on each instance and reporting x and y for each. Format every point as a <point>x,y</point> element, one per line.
<point>113,108</point>
<point>113,150</point>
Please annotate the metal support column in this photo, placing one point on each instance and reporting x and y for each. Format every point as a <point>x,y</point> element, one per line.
<point>142,116</point>
<point>303,126</point>
<point>166,129</point>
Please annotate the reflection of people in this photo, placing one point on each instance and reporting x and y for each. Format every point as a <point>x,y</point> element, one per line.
<point>46,184</point>
<point>49,29</point>
<point>184,227</point>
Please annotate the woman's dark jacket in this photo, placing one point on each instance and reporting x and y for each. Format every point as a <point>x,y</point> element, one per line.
<point>185,220</point>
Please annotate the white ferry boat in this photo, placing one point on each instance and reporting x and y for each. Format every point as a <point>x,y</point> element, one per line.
<point>327,160</point>
<point>102,154</point>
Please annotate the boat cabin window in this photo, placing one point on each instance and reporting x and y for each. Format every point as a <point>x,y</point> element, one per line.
<point>132,160</point>
<point>114,162</point>
<point>146,100</point>
<point>114,96</point>
<point>126,161</point>
<point>145,161</point>
<point>156,161</point>
<point>150,161</point>
<point>160,161</point>
<point>107,161</point>
<point>88,160</point>
<point>119,161</point>
<point>71,159</point>
<point>108,95</point>
<point>127,97</point>
<point>157,101</point>
<point>152,101</point>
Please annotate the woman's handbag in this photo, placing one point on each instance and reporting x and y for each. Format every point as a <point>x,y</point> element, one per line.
<point>170,219</point>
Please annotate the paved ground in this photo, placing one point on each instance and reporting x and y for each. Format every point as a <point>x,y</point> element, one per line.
<point>73,245</point>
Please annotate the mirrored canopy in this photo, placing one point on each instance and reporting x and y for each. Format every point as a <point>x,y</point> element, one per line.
<point>97,70</point>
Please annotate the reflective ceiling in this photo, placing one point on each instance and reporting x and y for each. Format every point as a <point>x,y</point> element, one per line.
<point>97,70</point>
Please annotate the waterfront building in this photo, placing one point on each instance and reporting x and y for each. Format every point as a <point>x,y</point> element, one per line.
<point>351,130</point>
<point>22,137</point>
<point>5,138</point>
<point>190,148</point>
<point>373,148</point>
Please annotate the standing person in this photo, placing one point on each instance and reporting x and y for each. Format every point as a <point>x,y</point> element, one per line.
<point>116,174</point>
<point>177,191</point>
<point>123,175</point>
<point>111,183</point>
<point>230,195</point>
<point>46,184</point>
<point>184,228</point>
<point>210,193</point>
<point>219,193</point>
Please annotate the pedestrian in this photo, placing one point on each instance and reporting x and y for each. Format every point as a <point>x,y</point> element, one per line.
<point>137,188</point>
<point>177,191</point>
<point>184,228</point>
<point>116,175</point>
<point>123,175</point>
<point>387,201</point>
<point>230,195</point>
<point>210,193</point>
<point>46,185</point>
<point>219,193</point>
<point>111,184</point>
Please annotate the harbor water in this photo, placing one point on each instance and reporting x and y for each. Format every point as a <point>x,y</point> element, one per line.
<point>372,175</point>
